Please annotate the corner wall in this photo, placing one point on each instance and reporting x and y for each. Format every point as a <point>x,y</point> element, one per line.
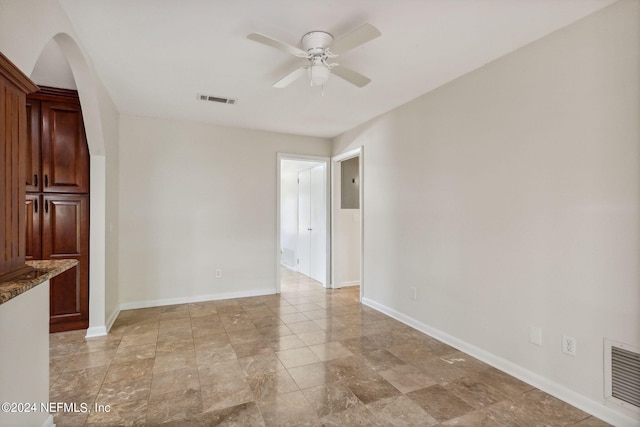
<point>346,236</point>
<point>24,363</point>
<point>195,198</point>
<point>510,199</point>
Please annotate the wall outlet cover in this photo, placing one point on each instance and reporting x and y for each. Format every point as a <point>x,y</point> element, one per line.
<point>569,345</point>
<point>535,335</point>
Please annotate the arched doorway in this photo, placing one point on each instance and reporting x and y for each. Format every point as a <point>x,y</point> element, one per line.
<point>86,87</point>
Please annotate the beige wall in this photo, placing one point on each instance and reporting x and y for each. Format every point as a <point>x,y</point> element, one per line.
<point>510,199</point>
<point>112,208</point>
<point>24,363</point>
<point>195,198</point>
<point>346,237</point>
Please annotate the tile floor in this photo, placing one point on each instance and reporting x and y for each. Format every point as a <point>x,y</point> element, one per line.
<point>307,357</point>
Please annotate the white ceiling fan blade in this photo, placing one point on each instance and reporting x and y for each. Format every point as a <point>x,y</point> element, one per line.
<point>355,38</point>
<point>351,76</point>
<point>290,78</point>
<point>256,37</point>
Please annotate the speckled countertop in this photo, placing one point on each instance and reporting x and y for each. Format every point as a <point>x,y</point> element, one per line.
<point>42,271</point>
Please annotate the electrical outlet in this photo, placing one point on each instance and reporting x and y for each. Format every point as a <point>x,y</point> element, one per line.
<point>414,293</point>
<point>218,273</point>
<point>535,335</point>
<point>569,345</point>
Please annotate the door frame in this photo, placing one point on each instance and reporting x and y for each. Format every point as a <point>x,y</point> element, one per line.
<point>328,193</point>
<point>335,163</point>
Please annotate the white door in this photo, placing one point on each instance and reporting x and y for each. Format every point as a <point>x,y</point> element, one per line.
<point>318,255</point>
<point>312,256</point>
<point>304,222</point>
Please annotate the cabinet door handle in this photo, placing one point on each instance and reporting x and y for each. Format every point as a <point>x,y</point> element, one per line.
<point>35,179</point>
<point>46,206</point>
<point>35,205</point>
<point>46,180</point>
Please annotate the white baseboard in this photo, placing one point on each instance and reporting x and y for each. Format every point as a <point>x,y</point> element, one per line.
<point>100,331</point>
<point>49,422</point>
<point>595,408</point>
<point>96,331</point>
<point>352,283</point>
<point>113,318</point>
<point>288,267</point>
<point>200,298</point>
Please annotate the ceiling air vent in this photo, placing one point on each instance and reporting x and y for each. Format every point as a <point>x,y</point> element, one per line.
<point>216,99</point>
<point>622,374</point>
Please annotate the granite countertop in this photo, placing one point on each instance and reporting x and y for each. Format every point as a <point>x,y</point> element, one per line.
<point>42,271</point>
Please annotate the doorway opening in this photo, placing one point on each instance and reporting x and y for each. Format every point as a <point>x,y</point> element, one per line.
<point>347,220</point>
<point>303,217</point>
<point>59,154</point>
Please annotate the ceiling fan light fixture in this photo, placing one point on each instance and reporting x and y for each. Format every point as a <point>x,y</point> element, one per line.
<point>318,74</point>
<point>317,48</point>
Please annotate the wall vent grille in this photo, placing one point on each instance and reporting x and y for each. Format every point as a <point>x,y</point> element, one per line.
<point>217,99</point>
<point>289,258</point>
<point>622,374</point>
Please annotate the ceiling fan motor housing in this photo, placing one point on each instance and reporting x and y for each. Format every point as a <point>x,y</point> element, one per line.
<point>315,42</point>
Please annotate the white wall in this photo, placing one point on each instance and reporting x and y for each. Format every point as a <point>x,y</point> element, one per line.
<point>346,238</point>
<point>195,198</point>
<point>112,209</point>
<point>510,198</point>
<point>289,214</point>
<point>24,363</point>
<point>347,247</point>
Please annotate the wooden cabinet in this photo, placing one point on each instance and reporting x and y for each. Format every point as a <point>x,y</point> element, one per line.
<point>57,153</point>
<point>56,226</point>
<point>12,250</point>
<point>13,87</point>
<point>65,156</point>
<point>65,225</point>
<point>57,202</point>
<point>33,227</point>
<point>33,168</point>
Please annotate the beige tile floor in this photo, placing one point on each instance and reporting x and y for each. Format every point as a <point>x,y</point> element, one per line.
<point>307,357</point>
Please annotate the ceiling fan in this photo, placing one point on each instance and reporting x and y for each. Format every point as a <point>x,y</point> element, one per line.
<point>318,47</point>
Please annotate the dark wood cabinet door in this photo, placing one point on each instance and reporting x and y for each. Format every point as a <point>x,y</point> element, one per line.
<point>33,248</point>
<point>65,155</point>
<point>33,167</point>
<point>12,128</point>
<point>65,235</point>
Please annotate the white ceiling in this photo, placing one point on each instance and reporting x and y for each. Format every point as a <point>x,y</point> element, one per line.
<point>155,56</point>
